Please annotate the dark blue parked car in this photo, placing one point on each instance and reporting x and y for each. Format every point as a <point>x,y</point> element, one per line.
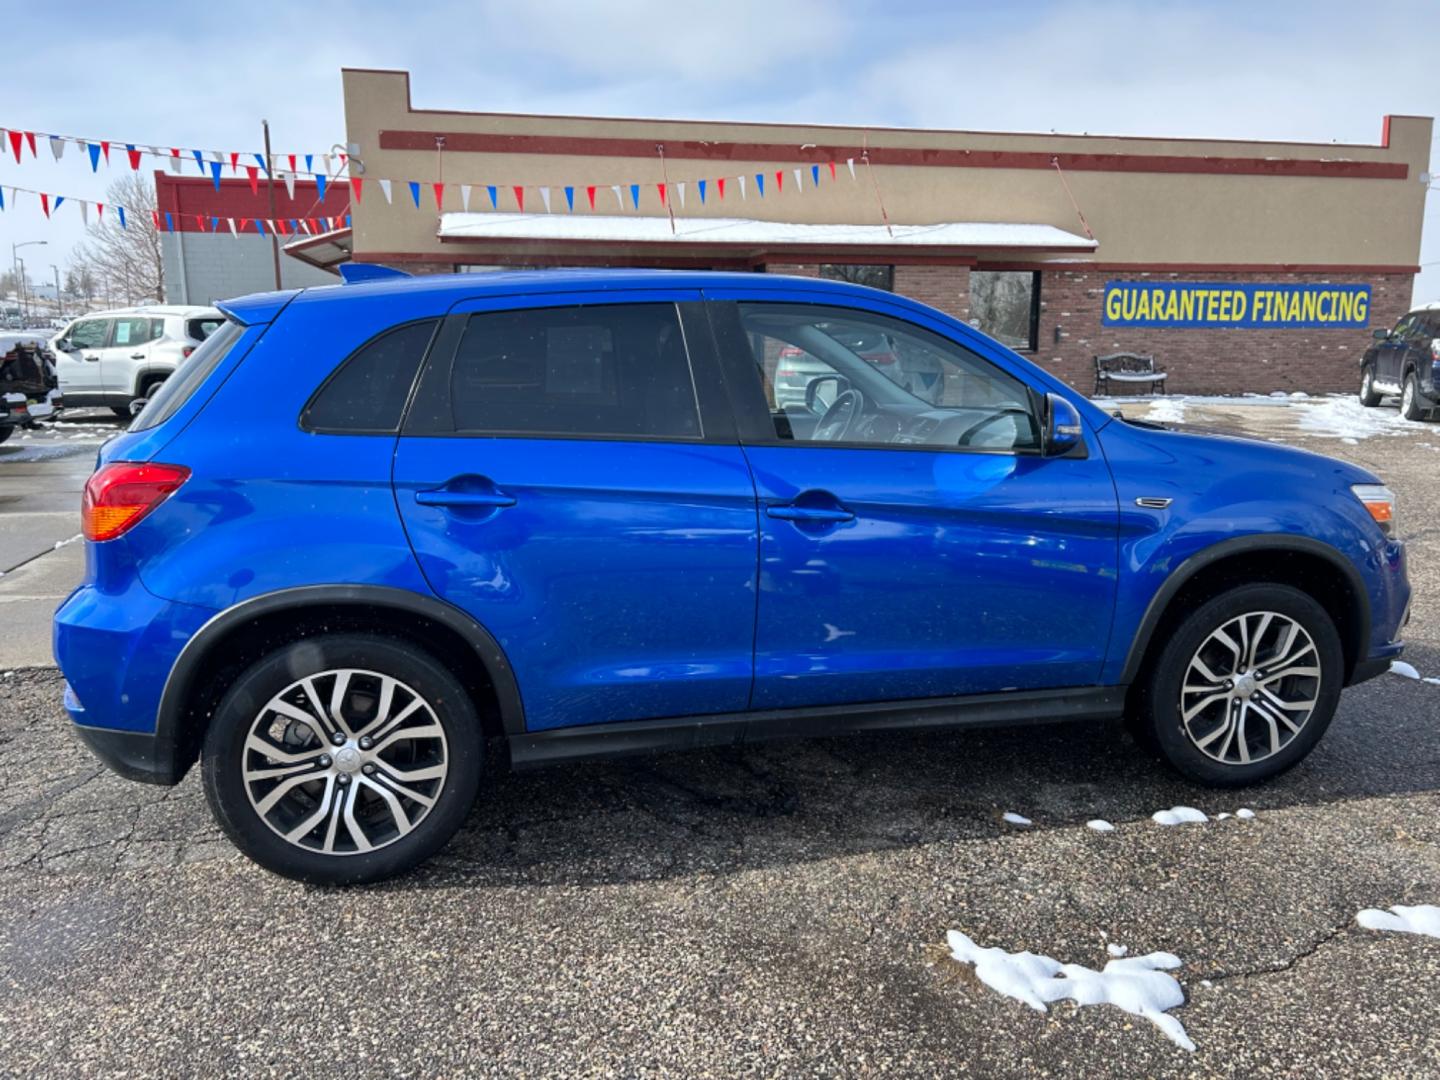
<point>372,532</point>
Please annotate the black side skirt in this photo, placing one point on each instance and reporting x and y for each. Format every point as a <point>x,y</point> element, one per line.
<point>594,741</point>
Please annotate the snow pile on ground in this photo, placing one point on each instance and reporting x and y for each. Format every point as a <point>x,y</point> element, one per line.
<point>1137,984</point>
<point>1167,410</point>
<point>1399,667</point>
<point>1346,418</point>
<point>1015,819</point>
<point>1179,815</point>
<point>1116,951</point>
<point>1421,919</point>
<point>1099,825</point>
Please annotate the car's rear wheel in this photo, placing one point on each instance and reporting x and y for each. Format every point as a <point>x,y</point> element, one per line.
<point>1245,686</point>
<point>6,432</point>
<point>1368,397</point>
<point>1410,407</point>
<point>343,759</point>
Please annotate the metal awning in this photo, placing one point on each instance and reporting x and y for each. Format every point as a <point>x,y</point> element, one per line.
<point>326,251</point>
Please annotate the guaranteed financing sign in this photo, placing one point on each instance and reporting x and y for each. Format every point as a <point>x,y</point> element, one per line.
<point>1249,306</point>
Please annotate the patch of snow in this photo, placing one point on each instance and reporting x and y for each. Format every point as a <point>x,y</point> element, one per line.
<point>1221,817</point>
<point>1431,680</point>
<point>1139,985</point>
<point>1167,410</point>
<point>1116,950</point>
<point>1015,819</point>
<point>1245,812</point>
<point>1400,667</point>
<point>1100,825</point>
<point>1421,919</point>
<point>1343,417</point>
<point>1179,815</point>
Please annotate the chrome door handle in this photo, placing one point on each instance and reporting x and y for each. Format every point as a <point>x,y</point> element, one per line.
<point>92,358</point>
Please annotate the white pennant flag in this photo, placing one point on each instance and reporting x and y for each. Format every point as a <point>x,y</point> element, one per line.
<point>741,178</point>
<point>57,146</point>
<point>175,164</point>
<point>216,155</point>
<point>465,197</point>
<point>304,226</point>
<point>618,200</point>
<point>325,158</point>
<point>385,187</point>
<point>681,187</point>
<point>799,184</point>
<point>232,227</point>
<point>270,224</point>
<point>545,198</point>
<point>84,212</point>
<point>850,162</point>
<point>289,179</point>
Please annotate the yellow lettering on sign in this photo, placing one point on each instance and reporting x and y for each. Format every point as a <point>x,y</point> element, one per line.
<point>1187,305</point>
<point>1362,307</point>
<point>1237,308</point>
<point>1112,305</point>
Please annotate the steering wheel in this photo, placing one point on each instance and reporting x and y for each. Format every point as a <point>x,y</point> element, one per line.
<point>999,414</point>
<point>838,418</point>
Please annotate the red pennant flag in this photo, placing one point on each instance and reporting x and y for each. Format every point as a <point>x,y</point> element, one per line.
<point>199,223</point>
<point>519,197</point>
<point>253,173</point>
<point>105,149</point>
<point>358,183</point>
<point>155,217</point>
<point>99,210</point>
<point>439,193</point>
<point>720,186</point>
<point>243,222</point>
<point>661,189</point>
<point>174,152</point>
<point>314,225</point>
<point>234,162</point>
<point>832,170</point>
<point>30,138</point>
<point>343,159</point>
<point>292,162</point>
<point>45,203</point>
<point>779,180</point>
<point>134,156</point>
<point>590,194</point>
<point>16,139</point>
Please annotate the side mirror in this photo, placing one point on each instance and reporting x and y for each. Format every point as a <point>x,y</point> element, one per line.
<point>1063,432</point>
<point>1380,333</point>
<point>817,403</point>
<point>63,345</point>
<point>138,405</point>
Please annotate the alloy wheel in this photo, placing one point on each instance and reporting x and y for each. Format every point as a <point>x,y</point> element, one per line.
<point>1407,400</point>
<point>344,761</point>
<point>1250,688</point>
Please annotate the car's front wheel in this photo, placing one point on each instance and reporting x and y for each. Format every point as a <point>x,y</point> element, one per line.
<point>1410,406</point>
<point>343,759</point>
<point>1245,686</point>
<point>1368,396</point>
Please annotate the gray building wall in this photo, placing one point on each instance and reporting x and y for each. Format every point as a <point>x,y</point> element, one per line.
<point>201,268</point>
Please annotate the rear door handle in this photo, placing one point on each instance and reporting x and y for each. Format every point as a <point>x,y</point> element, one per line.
<point>444,497</point>
<point>810,513</point>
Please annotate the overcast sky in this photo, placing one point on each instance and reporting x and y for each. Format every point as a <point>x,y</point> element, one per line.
<point>205,74</point>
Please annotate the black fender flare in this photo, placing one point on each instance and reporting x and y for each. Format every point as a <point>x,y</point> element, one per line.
<point>1243,545</point>
<point>188,666</point>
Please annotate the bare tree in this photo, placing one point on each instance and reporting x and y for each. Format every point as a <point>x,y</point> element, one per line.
<point>126,260</point>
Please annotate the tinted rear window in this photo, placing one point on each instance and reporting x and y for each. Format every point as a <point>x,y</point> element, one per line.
<point>366,394</point>
<point>200,329</point>
<point>176,390</point>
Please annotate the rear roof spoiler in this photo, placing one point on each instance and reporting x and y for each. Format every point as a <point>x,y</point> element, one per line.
<point>257,308</point>
<point>353,273</point>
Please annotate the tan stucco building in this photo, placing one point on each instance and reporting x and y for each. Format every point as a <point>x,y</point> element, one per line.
<point>1043,240</point>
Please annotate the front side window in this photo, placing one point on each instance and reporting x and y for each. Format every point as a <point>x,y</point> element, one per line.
<point>603,370</point>
<point>1006,305</point>
<point>843,376</point>
<point>89,334</point>
<point>133,331</point>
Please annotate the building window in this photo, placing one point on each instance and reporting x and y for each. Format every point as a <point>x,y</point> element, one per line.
<point>1006,305</point>
<point>876,276</point>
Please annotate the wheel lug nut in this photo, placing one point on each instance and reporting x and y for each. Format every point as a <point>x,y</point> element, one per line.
<point>366,742</point>
<point>338,739</point>
<point>368,769</point>
<point>343,779</point>
<point>324,761</point>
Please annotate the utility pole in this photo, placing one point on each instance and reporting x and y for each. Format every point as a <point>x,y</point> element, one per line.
<point>59,297</point>
<point>270,193</point>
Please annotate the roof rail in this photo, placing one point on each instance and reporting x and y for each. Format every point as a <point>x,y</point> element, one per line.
<point>353,273</point>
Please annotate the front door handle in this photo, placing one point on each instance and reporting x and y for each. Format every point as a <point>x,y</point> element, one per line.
<point>91,357</point>
<point>821,514</point>
<point>497,500</point>
<point>137,356</point>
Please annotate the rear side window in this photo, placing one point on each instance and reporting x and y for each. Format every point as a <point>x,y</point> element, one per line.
<point>135,331</point>
<point>366,394</point>
<point>176,390</point>
<point>200,329</point>
<point>618,370</point>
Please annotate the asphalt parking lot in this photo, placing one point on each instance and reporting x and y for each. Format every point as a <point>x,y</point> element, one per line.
<point>777,910</point>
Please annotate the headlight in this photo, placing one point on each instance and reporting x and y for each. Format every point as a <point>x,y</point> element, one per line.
<point>1380,501</point>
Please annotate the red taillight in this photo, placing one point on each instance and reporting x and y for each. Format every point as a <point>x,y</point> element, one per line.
<point>186,351</point>
<point>122,493</point>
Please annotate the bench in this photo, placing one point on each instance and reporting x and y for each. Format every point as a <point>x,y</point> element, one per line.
<point>1128,369</point>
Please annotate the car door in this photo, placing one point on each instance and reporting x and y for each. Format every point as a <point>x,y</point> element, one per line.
<point>122,360</point>
<point>1390,355</point>
<point>77,358</point>
<point>569,475</point>
<point>916,546</point>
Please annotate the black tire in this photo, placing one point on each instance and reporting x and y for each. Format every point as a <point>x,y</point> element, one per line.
<point>6,432</point>
<point>122,411</point>
<point>1159,700</point>
<point>1410,406</point>
<point>1368,396</point>
<point>225,756</point>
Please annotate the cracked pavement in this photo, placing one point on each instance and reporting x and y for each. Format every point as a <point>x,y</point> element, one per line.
<point>773,910</point>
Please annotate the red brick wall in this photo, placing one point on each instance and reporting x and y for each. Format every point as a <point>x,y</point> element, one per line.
<point>1219,361</point>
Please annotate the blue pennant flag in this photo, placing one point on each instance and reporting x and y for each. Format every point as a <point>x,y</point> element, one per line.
<point>215,174</point>
<point>214,224</point>
<point>491,190</point>
<point>169,222</point>
<point>94,149</point>
<point>121,211</point>
<point>309,162</point>
<point>570,198</point>
<point>58,200</point>
<point>635,195</point>
<point>2,198</point>
<point>701,185</point>
<point>319,182</point>
<point>294,225</point>
<point>760,183</point>
<point>259,226</point>
<point>199,161</point>
<point>347,221</point>
<point>264,165</point>
<point>415,193</point>
<point>815,175</point>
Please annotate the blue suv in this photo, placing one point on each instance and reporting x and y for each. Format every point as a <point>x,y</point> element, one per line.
<point>371,533</point>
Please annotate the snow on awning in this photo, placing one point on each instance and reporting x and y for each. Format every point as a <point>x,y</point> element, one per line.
<point>747,233</point>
